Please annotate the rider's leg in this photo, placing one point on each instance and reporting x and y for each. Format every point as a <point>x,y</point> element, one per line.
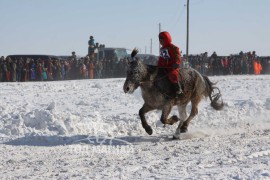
<point>174,78</point>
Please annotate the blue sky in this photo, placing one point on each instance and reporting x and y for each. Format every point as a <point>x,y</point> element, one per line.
<point>59,27</point>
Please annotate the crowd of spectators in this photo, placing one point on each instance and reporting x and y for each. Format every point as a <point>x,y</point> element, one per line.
<point>242,63</point>
<point>18,70</point>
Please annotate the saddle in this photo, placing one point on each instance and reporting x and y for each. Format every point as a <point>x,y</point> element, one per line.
<point>163,84</point>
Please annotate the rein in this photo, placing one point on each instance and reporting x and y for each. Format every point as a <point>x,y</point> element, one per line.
<point>154,80</point>
<point>162,77</point>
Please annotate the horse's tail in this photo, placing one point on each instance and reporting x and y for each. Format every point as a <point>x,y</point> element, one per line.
<point>215,98</point>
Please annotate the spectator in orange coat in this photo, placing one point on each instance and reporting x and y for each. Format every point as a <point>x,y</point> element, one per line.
<point>257,67</point>
<point>91,69</point>
<point>83,70</point>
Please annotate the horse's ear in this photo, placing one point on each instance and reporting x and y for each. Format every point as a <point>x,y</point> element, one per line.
<point>134,52</point>
<point>128,60</point>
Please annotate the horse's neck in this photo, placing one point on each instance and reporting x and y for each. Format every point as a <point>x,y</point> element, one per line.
<point>149,88</point>
<point>149,77</point>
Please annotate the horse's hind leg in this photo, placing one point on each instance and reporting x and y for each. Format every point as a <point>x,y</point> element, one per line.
<point>194,111</point>
<point>182,128</point>
<point>142,113</point>
<point>183,116</point>
<point>182,112</point>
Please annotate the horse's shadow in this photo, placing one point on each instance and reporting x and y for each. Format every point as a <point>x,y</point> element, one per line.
<point>49,141</point>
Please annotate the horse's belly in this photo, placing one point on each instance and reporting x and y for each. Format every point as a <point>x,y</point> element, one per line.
<point>154,101</point>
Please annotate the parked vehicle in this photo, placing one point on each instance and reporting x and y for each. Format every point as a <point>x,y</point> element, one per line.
<point>111,53</point>
<point>149,59</point>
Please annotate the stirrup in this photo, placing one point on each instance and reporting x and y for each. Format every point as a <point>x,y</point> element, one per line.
<point>179,91</point>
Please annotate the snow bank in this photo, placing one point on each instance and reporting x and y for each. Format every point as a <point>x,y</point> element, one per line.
<point>101,108</point>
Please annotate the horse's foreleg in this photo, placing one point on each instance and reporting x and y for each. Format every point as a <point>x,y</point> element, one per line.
<point>165,113</point>
<point>142,113</point>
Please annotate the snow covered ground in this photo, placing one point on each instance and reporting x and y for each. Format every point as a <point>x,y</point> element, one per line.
<point>90,129</point>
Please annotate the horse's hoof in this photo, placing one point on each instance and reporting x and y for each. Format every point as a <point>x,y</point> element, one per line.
<point>176,137</point>
<point>149,130</point>
<point>183,130</point>
<point>175,119</point>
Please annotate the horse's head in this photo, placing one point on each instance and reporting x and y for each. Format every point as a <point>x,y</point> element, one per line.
<point>135,73</point>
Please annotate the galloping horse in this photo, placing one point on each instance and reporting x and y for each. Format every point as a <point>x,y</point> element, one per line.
<point>158,93</point>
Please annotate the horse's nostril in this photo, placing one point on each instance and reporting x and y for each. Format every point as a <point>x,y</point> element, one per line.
<point>127,89</point>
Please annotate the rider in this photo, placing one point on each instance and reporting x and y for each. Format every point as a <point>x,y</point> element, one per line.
<point>170,58</point>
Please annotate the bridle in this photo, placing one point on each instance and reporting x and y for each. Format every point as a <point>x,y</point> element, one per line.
<point>154,80</point>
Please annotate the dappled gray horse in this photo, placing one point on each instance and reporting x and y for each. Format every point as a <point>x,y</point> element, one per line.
<point>158,93</point>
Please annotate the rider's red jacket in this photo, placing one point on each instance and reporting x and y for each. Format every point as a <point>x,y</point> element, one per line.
<point>170,57</point>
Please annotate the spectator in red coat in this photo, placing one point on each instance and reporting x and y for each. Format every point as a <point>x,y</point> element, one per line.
<point>170,58</point>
